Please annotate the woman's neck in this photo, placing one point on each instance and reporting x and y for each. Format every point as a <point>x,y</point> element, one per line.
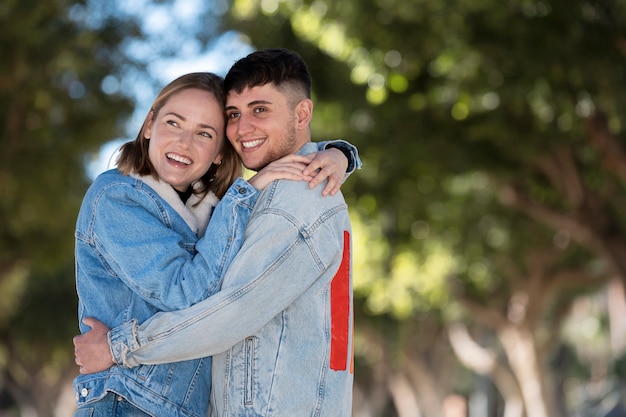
<point>184,195</point>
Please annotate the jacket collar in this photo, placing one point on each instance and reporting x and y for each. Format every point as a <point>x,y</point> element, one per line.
<point>196,211</point>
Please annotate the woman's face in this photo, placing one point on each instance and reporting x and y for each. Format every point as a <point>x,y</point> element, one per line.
<point>186,137</point>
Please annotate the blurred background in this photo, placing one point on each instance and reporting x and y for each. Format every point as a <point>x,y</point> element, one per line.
<point>489,217</point>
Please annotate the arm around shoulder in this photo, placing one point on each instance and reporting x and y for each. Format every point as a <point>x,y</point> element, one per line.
<point>349,150</point>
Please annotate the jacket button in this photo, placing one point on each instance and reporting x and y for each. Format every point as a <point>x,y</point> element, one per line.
<point>242,190</point>
<point>84,392</point>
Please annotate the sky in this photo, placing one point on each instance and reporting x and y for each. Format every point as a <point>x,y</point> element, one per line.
<point>174,21</point>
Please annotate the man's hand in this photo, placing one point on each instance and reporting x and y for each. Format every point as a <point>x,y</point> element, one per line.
<point>332,164</point>
<point>91,350</point>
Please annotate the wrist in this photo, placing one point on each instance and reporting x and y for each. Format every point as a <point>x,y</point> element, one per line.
<point>122,341</point>
<point>345,151</point>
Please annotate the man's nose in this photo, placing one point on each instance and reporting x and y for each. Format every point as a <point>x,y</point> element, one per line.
<point>244,124</point>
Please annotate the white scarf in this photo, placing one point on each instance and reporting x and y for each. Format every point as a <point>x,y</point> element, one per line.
<point>196,211</point>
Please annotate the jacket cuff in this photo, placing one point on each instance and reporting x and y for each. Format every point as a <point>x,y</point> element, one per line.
<point>122,342</point>
<point>350,151</point>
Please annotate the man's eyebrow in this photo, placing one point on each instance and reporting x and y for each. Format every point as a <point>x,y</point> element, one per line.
<point>251,104</point>
<point>184,119</point>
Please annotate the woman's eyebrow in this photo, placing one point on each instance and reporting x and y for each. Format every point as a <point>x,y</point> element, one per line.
<point>184,119</point>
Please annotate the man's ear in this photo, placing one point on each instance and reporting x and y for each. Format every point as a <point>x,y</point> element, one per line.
<point>304,113</point>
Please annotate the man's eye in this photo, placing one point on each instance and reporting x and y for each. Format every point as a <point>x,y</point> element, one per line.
<point>233,115</point>
<point>259,109</point>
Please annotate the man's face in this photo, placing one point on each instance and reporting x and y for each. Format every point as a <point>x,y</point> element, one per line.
<point>261,125</point>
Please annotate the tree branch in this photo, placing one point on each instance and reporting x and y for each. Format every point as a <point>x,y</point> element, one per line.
<point>607,144</point>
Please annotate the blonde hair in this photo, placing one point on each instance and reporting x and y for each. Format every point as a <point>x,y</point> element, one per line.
<point>134,154</point>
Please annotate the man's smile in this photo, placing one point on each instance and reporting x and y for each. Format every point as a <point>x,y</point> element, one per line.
<point>249,144</point>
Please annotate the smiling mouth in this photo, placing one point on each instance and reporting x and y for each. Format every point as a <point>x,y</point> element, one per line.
<point>178,158</point>
<point>252,143</point>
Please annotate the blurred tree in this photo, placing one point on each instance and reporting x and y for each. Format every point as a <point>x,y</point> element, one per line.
<point>59,100</point>
<point>487,128</point>
<point>70,72</point>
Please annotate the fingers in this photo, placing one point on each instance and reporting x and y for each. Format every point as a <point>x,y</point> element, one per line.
<point>317,161</point>
<point>76,341</point>
<point>290,168</point>
<point>95,324</point>
<point>332,187</point>
<point>294,159</point>
<point>332,165</point>
<point>333,182</point>
<point>89,321</point>
<point>329,165</point>
<point>91,349</point>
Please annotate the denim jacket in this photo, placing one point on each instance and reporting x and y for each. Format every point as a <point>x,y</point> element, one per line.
<point>280,330</point>
<point>137,253</point>
<point>124,273</point>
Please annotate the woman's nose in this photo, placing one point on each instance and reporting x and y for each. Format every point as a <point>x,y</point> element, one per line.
<point>185,137</point>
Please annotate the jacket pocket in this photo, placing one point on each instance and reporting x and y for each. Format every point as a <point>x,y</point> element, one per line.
<point>144,371</point>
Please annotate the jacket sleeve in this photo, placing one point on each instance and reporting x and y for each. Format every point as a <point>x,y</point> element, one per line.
<point>256,288</point>
<point>150,258</point>
<point>349,150</point>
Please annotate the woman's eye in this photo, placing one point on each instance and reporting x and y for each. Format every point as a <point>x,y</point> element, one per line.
<point>206,135</point>
<point>172,123</point>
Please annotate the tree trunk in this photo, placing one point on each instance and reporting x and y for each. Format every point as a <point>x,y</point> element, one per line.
<point>404,397</point>
<point>425,385</point>
<point>484,362</point>
<point>526,364</point>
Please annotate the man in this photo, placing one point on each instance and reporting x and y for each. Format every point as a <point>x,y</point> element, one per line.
<point>280,330</point>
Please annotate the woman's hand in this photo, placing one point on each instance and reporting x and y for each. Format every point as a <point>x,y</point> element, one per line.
<point>289,167</point>
<point>328,164</point>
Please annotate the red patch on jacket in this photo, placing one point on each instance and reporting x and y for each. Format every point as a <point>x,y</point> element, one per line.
<point>340,312</point>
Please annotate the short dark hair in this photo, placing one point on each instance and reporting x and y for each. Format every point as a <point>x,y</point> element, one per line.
<point>280,66</point>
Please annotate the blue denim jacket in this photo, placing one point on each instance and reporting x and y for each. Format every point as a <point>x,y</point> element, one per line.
<point>281,327</point>
<point>124,273</point>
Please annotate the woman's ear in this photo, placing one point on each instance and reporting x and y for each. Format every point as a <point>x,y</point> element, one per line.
<point>147,131</point>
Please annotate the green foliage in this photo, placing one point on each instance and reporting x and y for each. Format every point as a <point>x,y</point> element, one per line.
<point>53,111</point>
<point>442,95</point>
<point>492,137</point>
<point>474,120</point>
